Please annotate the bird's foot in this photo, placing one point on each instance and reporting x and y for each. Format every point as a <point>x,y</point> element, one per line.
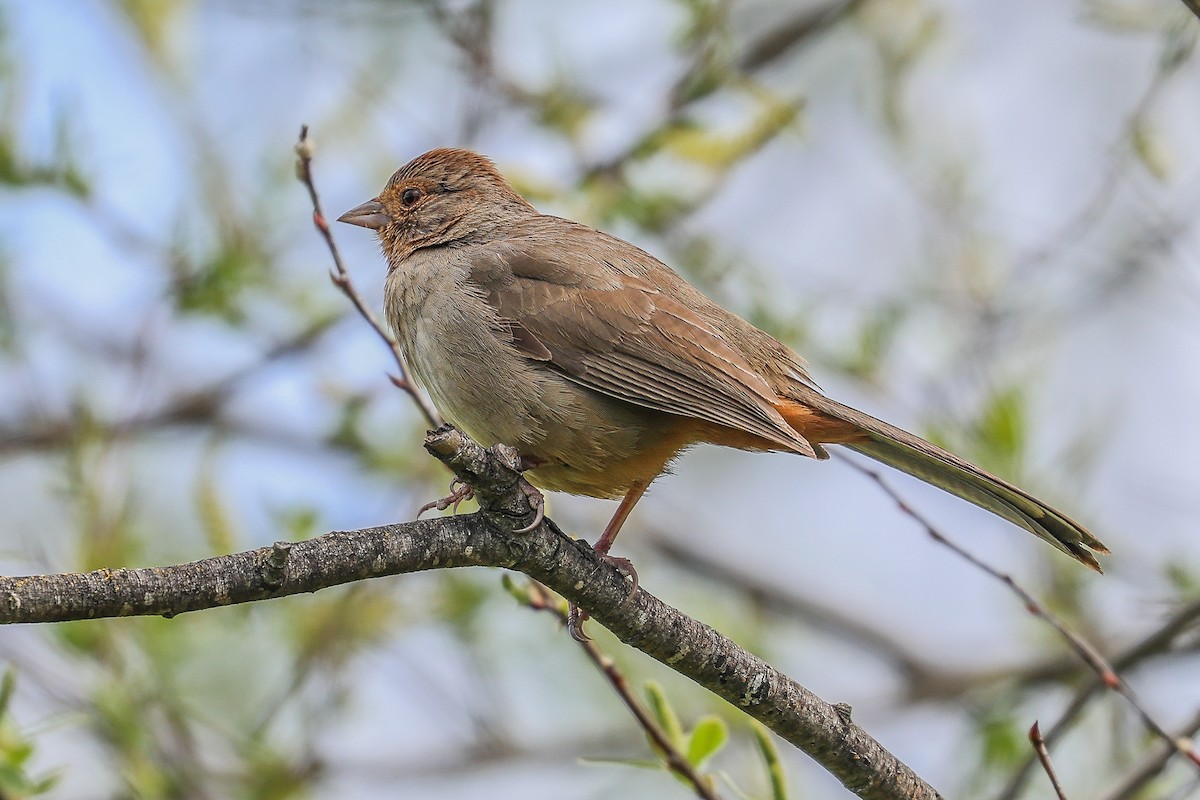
<point>626,567</point>
<point>536,501</point>
<point>459,491</point>
<point>576,616</point>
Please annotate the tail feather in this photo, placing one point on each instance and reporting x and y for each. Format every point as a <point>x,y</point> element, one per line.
<point>921,459</point>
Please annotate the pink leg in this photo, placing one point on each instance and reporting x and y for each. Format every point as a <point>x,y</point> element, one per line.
<point>577,616</point>
<point>636,490</point>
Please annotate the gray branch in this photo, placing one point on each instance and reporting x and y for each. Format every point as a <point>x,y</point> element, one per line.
<point>822,730</point>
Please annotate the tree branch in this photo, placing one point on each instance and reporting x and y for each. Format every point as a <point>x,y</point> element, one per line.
<point>823,731</point>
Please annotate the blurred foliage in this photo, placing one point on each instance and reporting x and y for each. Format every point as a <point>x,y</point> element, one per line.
<point>62,172</point>
<point>1002,741</point>
<point>995,439</point>
<point>16,750</point>
<point>219,282</point>
<point>869,352</point>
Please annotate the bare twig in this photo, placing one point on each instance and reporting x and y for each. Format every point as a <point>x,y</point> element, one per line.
<point>1132,784</point>
<point>1083,648</point>
<point>675,761</point>
<point>341,278</point>
<point>804,26</point>
<point>200,406</point>
<point>1043,755</point>
<point>1156,642</point>
<point>924,678</point>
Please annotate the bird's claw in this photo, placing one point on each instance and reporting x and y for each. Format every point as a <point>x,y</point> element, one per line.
<point>576,616</point>
<point>460,490</point>
<point>625,566</point>
<point>536,501</point>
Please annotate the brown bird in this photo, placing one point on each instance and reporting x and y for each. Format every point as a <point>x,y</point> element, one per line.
<point>600,364</point>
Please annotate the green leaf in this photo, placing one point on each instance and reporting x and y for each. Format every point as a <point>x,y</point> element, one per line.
<point>15,752</point>
<point>347,433</point>
<point>664,714</point>
<point>300,522</point>
<point>1151,149</point>
<point>1003,741</point>
<point>701,145</point>
<point>6,689</point>
<point>770,756</point>
<point>8,325</point>
<point>875,337</point>
<point>461,600</point>
<point>215,287</point>
<point>1000,433</point>
<point>1179,573</point>
<point>564,109</point>
<point>708,737</point>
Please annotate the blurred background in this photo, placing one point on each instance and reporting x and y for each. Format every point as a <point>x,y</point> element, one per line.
<point>976,219</point>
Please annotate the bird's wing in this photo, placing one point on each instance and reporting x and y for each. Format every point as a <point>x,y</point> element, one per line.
<point>619,335</point>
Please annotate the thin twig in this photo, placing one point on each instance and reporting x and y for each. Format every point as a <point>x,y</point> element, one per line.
<point>1156,642</point>
<point>1043,754</point>
<point>1084,649</point>
<point>675,761</point>
<point>201,406</point>
<point>1132,784</point>
<point>806,26</point>
<point>924,679</point>
<point>341,278</point>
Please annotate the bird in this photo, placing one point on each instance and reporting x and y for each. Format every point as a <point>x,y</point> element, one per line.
<point>600,364</point>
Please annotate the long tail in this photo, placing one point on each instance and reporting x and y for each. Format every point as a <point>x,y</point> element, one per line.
<point>921,459</point>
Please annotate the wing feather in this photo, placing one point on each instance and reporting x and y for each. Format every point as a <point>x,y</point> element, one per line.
<point>624,337</point>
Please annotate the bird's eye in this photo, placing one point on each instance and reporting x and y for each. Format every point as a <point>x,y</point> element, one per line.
<point>410,196</point>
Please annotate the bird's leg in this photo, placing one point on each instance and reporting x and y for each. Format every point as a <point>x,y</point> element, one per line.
<point>605,542</point>
<point>576,616</point>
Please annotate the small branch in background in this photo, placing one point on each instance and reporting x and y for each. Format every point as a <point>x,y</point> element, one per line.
<point>1157,642</point>
<point>198,407</point>
<point>924,678</point>
<point>1043,755</point>
<point>535,597</point>
<point>805,26</point>
<point>1084,649</point>
<point>341,278</point>
<point>1151,768</point>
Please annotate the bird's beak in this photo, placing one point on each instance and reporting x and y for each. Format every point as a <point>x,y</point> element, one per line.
<point>369,215</point>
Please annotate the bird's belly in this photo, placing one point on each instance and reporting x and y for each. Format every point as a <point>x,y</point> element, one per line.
<point>580,441</point>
